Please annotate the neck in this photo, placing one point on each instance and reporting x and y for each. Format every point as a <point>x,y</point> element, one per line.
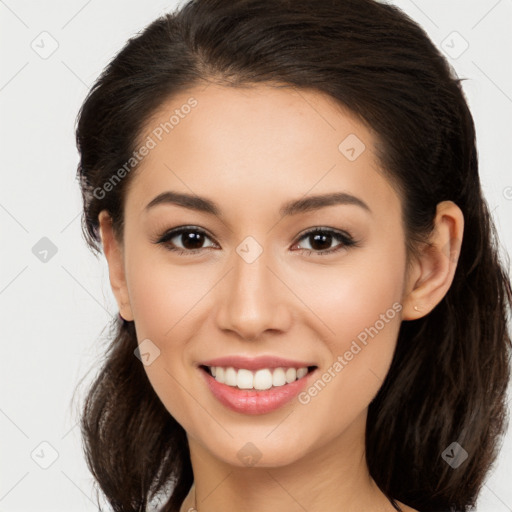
<point>333,476</point>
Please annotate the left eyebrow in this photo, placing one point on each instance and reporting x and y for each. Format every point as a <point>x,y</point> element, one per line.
<point>293,207</point>
<point>310,203</point>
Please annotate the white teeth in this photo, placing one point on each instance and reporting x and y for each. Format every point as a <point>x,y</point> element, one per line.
<point>291,375</point>
<point>301,372</point>
<point>230,376</point>
<point>244,379</point>
<point>260,379</point>
<point>278,377</point>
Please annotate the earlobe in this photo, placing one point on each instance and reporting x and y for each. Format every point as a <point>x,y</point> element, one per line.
<point>114,254</point>
<point>433,271</point>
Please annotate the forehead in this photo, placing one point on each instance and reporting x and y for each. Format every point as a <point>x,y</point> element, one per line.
<point>259,142</point>
<point>269,115</point>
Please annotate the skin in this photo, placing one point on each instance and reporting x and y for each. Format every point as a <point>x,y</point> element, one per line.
<point>250,150</point>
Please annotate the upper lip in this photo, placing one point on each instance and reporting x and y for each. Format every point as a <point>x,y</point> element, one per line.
<point>255,363</point>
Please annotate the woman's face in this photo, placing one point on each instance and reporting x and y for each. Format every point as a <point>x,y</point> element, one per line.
<point>257,284</point>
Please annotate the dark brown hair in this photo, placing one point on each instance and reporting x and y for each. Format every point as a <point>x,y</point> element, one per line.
<point>448,379</point>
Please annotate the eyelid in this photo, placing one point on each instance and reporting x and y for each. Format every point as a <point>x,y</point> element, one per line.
<point>345,238</point>
<point>171,233</point>
<point>323,229</point>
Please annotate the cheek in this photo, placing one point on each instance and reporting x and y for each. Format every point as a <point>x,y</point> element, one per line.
<point>358,308</point>
<point>356,294</point>
<point>164,296</point>
<point>164,299</point>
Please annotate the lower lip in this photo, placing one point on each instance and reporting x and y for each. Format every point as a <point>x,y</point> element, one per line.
<point>255,402</point>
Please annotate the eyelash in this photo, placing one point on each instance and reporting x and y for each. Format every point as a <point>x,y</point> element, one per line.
<point>345,238</point>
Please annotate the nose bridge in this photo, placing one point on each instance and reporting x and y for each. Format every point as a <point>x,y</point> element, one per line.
<point>251,273</point>
<point>253,300</point>
<point>251,280</point>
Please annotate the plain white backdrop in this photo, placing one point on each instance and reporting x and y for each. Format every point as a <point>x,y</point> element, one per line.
<point>54,306</point>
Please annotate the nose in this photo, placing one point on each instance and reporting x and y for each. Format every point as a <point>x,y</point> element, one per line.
<point>254,299</point>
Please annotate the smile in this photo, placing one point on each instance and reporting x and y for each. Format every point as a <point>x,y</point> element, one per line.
<point>260,395</point>
<point>262,379</point>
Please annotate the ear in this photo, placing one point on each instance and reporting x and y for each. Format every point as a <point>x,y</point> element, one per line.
<point>113,251</point>
<point>431,274</point>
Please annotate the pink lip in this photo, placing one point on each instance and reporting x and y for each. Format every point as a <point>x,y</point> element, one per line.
<point>255,363</point>
<point>249,401</point>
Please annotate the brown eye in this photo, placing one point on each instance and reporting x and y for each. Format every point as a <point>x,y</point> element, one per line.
<point>184,239</point>
<point>191,240</point>
<point>320,241</point>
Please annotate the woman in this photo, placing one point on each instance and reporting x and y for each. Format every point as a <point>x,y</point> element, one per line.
<point>312,307</point>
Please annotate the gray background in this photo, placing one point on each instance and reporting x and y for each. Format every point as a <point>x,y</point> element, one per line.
<point>54,306</point>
